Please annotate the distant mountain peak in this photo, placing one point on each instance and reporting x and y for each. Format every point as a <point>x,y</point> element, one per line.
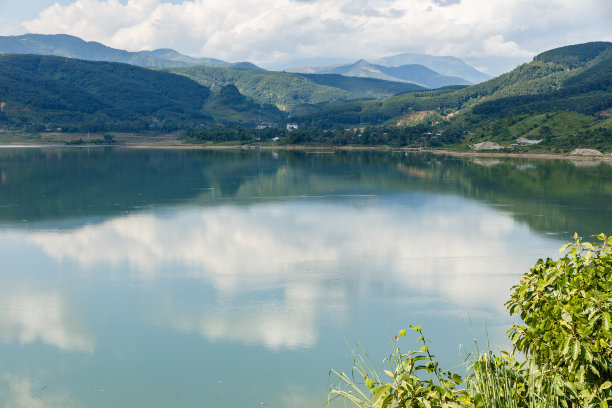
<point>410,73</point>
<point>434,71</point>
<point>444,65</point>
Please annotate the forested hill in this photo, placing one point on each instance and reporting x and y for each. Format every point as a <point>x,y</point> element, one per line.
<point>572,85</point>
<point>45,91</point>
<point>296,92</point>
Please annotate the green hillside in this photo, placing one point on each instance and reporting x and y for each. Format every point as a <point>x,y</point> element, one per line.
<point>562,84</point>
<point>229,106</point>
<point>54,92</point>
<point>562,98</point>
<point>296,93</point>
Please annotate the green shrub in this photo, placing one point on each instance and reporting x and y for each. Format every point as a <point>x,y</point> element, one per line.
<point>565,341</point>
<point>565,306</point>
<point>406,388</point>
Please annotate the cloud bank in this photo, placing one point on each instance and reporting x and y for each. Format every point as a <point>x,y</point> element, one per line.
<point>275,32</point>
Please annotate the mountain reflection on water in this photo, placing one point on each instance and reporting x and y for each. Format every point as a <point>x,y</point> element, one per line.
<point>546,194</point>
<point>167,269</point>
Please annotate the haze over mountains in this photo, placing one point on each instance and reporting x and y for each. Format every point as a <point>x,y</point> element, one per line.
<point>63,45</point>
<point>411,73</point>
<point>420,69</point>
<point>450,66</point>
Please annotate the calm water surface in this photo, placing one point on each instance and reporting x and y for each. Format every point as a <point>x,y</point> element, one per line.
<point>136,278</point>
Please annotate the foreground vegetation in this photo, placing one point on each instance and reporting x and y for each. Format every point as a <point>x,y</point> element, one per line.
<point>565,344</point>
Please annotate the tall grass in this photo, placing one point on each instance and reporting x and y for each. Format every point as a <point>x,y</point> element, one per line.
<point>414,379</point>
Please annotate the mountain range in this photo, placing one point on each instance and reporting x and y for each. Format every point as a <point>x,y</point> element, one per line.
<point>420,69</point>
<point>63,45</point>
<point>562,98</point>
<point>446,65</point>
<point>425,70</point>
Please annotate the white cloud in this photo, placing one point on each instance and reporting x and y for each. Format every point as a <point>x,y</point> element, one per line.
<point>10,27</point>
<point>496,46</point>
<point>274,31</point>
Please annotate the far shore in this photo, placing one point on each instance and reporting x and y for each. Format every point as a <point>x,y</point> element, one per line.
<point>170,141</point>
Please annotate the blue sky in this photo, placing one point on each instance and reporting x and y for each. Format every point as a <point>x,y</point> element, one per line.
<point>493,36</point>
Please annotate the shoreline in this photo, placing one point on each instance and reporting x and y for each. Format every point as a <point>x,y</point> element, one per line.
<point>169,144</point>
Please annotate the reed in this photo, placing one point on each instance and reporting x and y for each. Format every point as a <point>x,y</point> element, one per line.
<point>415,379</point>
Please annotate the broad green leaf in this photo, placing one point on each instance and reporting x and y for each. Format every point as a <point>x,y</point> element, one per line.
<point>387,402</point>
<point>575,349</point>
<point>605,385</point>
<point>465,399</point>
<point>566,346</point>
<point>379,396</point>
<point>571,387</point>
<point>587,355</point>
<point>566,316</point>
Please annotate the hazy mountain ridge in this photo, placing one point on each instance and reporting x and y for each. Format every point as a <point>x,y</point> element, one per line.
<point>64,45</point>
<point>445,65</point>
<point>421,69</point>
<point>413,73</point>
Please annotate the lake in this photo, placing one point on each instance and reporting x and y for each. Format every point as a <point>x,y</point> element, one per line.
<point>205,278</point>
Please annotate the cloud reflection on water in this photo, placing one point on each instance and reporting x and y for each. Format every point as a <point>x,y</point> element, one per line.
<point>22,391</point>
<point>317,257</point>
<point>29,316</point>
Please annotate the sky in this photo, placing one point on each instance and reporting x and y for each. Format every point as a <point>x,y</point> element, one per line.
<point>494,36</point>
